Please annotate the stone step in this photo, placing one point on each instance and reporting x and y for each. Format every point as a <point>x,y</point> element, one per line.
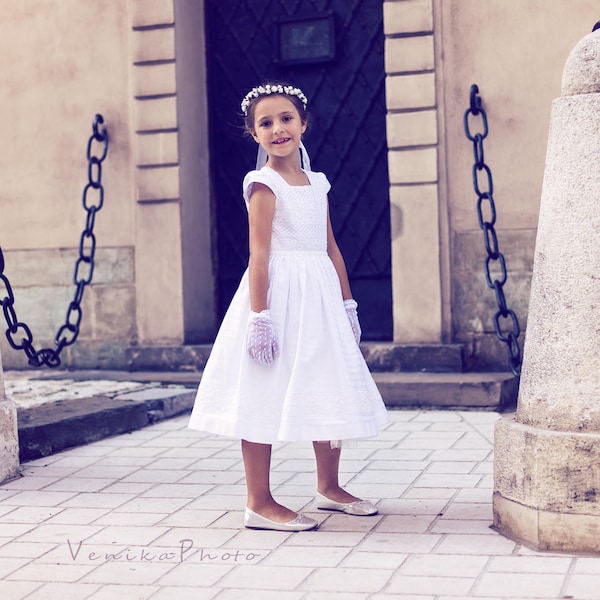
<point>54,426</point>
<point>462,391</point>
<point>57,424</point>
<point>494,391</point>
<point>380,357</point>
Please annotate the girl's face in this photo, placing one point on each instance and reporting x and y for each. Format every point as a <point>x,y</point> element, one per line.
<point>278,127</point>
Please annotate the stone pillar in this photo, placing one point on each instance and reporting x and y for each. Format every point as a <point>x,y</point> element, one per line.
<point>547,457</point>
<point>413,142</point>
<point>9,440</point>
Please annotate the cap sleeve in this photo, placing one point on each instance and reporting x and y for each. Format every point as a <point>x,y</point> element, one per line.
<point>320,181</point>
<point>262,176</point>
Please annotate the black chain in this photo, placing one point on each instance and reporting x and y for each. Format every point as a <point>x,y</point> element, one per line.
<point>484,188</point>
<point>18,333</point>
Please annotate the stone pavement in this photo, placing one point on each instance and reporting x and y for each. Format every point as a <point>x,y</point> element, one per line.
<point>157,514</point>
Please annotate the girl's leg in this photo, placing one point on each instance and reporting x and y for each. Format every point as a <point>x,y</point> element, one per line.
<point>328,464</point>
<point>257,465</point>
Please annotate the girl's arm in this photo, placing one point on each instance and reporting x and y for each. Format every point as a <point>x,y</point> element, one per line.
<point>338,260</point>
<point>260,220</point>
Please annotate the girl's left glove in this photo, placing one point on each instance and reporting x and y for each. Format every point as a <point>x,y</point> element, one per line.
<point>262,341</point>
<point>351,306</point>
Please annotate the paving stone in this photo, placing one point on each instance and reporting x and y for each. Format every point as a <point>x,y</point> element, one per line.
<point>166,491</point>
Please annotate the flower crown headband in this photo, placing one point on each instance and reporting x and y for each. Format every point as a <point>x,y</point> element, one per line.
<point>272,89</point>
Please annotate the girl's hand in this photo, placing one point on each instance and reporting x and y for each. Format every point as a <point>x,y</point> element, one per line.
<point>351,306</point>
<point>262,341</point>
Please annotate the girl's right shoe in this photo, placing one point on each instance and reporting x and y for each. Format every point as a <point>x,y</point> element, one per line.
<point>253,520</point>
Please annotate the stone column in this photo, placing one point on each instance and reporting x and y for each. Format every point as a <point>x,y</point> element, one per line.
<point>413,142</point>
<point>9,440</point>
<point>547,458</point>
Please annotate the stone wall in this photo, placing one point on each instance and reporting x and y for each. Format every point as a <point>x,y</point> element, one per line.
<point>153,283</point>
<point>158,251</point>
<point>174,271</point>
<point>435,50</point>
<point>412,132</point>
<point>63,62</point>
<point>42,280</point>
<point>516,59</point>
<point>141,64</point>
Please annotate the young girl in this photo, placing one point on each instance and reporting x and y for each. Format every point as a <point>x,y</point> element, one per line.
<point>286,365</point>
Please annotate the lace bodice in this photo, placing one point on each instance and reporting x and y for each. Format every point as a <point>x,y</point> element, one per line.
<point>300,219</point>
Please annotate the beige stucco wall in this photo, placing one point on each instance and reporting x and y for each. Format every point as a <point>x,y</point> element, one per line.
<point>514,50</point>
<point>141,64</point>
<point>61,63</point>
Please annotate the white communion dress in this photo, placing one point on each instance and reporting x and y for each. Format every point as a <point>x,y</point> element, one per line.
<point>319,387</point>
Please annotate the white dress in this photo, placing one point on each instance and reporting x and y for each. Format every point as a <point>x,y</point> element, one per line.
<point>319,387</point>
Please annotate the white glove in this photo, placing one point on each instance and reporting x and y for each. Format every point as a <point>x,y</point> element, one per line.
<point>351,306</point>
<point>262,341</point>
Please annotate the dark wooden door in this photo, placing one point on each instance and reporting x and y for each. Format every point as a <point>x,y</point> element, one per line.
<point>346,137</point>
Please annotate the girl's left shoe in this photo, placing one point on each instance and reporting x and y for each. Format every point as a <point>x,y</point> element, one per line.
<point>253,520</point>
<point>358,508</point>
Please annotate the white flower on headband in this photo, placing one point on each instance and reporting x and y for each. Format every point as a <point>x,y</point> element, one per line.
<point>272,89</point>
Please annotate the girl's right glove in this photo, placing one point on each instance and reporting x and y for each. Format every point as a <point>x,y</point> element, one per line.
<point>351,306</point>
<point>262,341</point>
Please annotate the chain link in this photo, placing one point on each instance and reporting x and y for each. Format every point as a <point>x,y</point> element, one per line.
<point>484,188</point>
<point>18,333</point>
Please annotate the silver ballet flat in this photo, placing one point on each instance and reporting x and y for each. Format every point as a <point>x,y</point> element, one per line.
<point>358,508</point>
<point>253,520</point>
